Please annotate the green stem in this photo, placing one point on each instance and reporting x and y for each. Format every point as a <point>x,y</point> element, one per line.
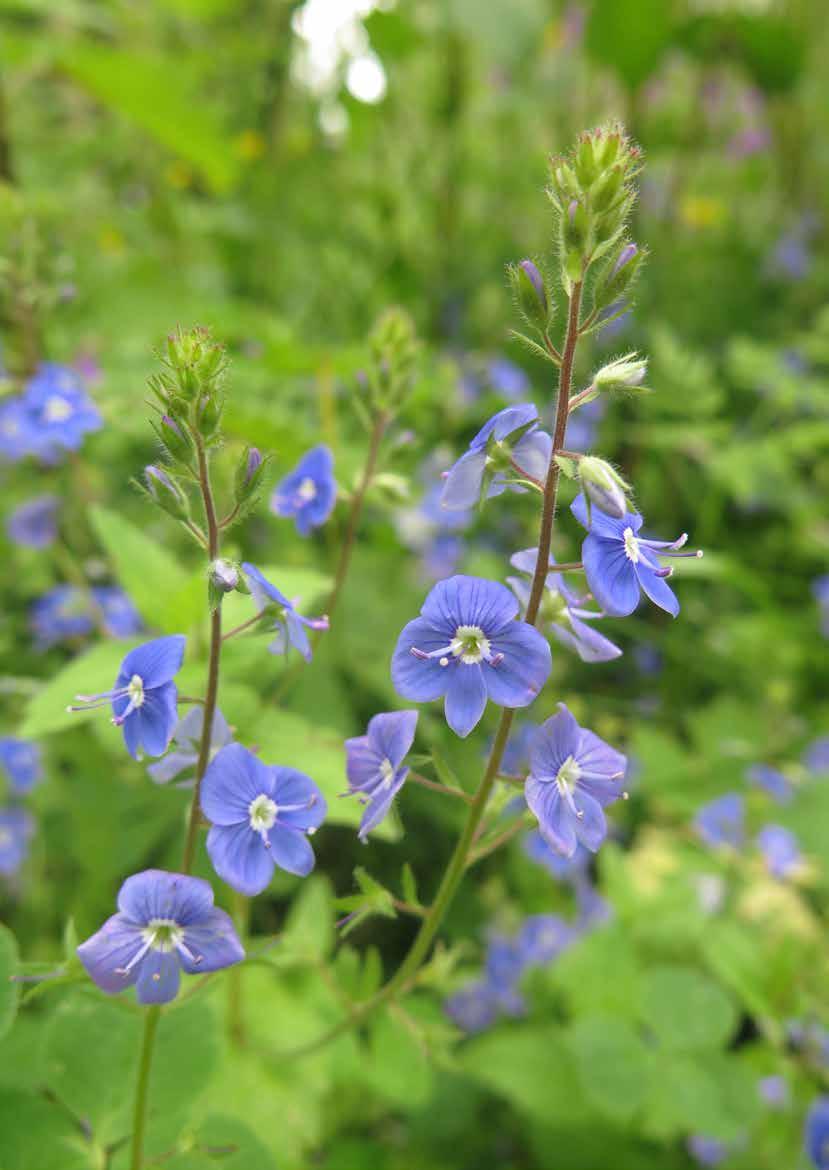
<point>139,1124</point>
<point>235,1017</point>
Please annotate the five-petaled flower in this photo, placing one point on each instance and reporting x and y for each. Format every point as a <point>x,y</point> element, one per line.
<point>780,850</point>
<point>468,647</point>
<point>260,817</point>
<point>573,776</point>
<point>33,524</point>
<point>619,563</point>
<point>563,610</point>
<point>290,626</point>
<point>722,821</point>
<point>309,492</point>
<point>144,696</point>
<point>21,761</point>
<point>373,764</point>
<point>508,446</point>
<point>166,923</point>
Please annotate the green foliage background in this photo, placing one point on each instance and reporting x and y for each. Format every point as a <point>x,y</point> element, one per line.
<point>178,170</point>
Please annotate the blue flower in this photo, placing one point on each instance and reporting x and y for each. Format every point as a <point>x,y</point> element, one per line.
<point>289,625</point>
<point>721,821</point>
<point>509,445</point>
<point>543,937</point>
<point>774,1091</point>
<point>816,1135</point>
<point>21,761</point>
<point>309,492</point>
<point>573,776</point>
<point>583,424</point>
<point>119,616</point>
<point>707,1151</point>
<point>473,1008</point>
<point>34,523</point>
<point>781,851</point>
<point>185,746</point>
<point>144,696</point>
<point>166,923</point>
<point>816,755</point>
<point>64,612</point>
<point>373,764</point>
<point>16,828</point>
<point>59,411</point>
<point>772,781</point>
<point>564,611</point>
<point>507,378</point>
<point>619,563</point>
<point>468,647</point>
<point>260,817</point>
<point>16,430</point>
<point>571,869</point>
<point>503,967</point>
<point>516,758</point>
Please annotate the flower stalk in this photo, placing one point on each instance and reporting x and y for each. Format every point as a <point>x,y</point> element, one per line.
<point>139,1120</point>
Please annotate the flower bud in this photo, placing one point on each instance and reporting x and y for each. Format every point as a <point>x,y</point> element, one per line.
<point>224,575</point>
<point>603,485</point>
<point>208,415</point>
<point>530,292</point>
<point>249,472</point>
<point>625,373</point>
<point>175,438</point>
<point>164,491</point>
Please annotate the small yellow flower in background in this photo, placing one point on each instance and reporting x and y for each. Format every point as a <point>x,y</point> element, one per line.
<point>178,175</point>
<point>701,211</point>
<point>111,241</point>
<point>249,145</point>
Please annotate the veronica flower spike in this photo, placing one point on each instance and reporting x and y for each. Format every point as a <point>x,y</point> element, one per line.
<point>573,776</point>
<point>144,697</point>
<point>619,563</point>
<point>260,818</point>
<point>166,923</point>
<point>290,626</point>
<point>510,444</point>
<point>373,764</point>
<point>467,646</point>
<point>309,492</point>
<point>566,612</point>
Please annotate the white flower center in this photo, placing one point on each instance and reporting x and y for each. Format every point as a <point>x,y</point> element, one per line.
<point>262,812</point>
<point>163,934</point>
<point>631,545</point>
<point>568,776</point>
<point>470,644</point>
<point>57,409</point>
<point>135,691</point>
<point>307,490</point>
<point>386,773</point>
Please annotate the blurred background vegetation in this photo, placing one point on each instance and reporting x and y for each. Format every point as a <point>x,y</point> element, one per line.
<point>281,172</point>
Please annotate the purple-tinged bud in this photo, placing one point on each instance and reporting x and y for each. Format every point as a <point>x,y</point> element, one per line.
<point>224,575</point>
<point>249,472</point>
<point>537,281</point>
<point>571,211</point>
<point>627,253</point>
<point>164,491</point>
<point>530,292</point>
<point>175,438</point>
<point>603,486</point>
<point>254,462</point>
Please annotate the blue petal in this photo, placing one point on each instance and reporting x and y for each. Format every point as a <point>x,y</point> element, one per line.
<point>151,725</point>
<point>362,763</point>
<point>591,826</point>
<point>416,678</point>
<point>505,423</point>
<point>171,766</point>
<point>602,525</point>
<point>589,644</point>
<point>525,668</point>
<point>234,778</point>
<point>108,953</point>
<point>532,454</point>
<point>469,601</point>
<point>290,850</point>
<point>298,635</point>
<point>262,590</point>
<point>213,943</point>
<point>556,822</point>
<point>155,662</point>
<point>462,486</point>
<point>594,755</point>
<point>392,734</point>
<point>158,977</point>
<point>556,739</point>
<point>380,802</point>
<point>465,698</point>
<point>611,575</point>
<point>156,893</point>
<point>657,589</point>
<point>292,787</point>
<point>240,858</point>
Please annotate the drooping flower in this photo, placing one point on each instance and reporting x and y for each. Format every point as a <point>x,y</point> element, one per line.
<point>59,411</point>
<point>816,1134</point>
<point>16,829</point>
<point>772,781</point>
<point>185,744</point>
<point>722,821</point>
<point>34,523</point>
<point>619,563</point>
<point>290,626</point>
<point>261,817</point>
<point>21,761</point>
<point>564,611</point>
<point>574,775</point>
<point>509,445</point>
<point>166,923</point>
<point>374,764</point>
<point>144,697</point>
<point>309,492</point>
<point>468,647</point>
<point>780,850</point>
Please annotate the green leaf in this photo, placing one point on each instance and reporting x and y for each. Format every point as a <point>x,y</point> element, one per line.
<point>222,1143</point>
<point>613,1065</point>
<point>9,991</point>
<point>629,36</point>
<point>687,1010</point>
<point>582,974</point>
<point>92,671</point>
<point>399,1070</point>
<point>167,597</point>
<point>309,929</point>
<point>38,1135</point>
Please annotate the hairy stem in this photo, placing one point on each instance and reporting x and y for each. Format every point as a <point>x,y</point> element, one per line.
<point>139,1123</point>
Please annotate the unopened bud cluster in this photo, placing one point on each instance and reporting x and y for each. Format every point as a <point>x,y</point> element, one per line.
<point>393,351</point>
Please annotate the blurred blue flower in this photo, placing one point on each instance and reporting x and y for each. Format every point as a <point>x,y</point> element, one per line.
<point>374,764</point>
<point>68,611</point>
<point>516,758</point>
<point>166,923</point>
<point>504,965</point>
<point>772,781</point>
<point>33,524</point>
<point>816,1134</point>
<point>309,492</point>
<point>583,423</point>
<point>473,1007</point>
<point>816,755</point>
<point>441,556</point>
<point>144,697</point>
<point>774,1091</point>
<point>22,763</point>
<point>120,617</point>
<point>16,829</point>
<point>290,626</point>
<point>507,378</point>
<point>721,821</point>
<point>618,562</point>
<point>185,743</point>
<point>707,1151</point>
<point>573,776</point>
<point>543,937</point>
<point>59,411</point>
<point>563,610</point>
<point>820,590</point>
<point>510,442</point>
<point>16,431</point>
<point>468,647</point>
<point>593,908</point>
<point>781,851</point>
<point>571,869</point>
<point>260,818</point>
